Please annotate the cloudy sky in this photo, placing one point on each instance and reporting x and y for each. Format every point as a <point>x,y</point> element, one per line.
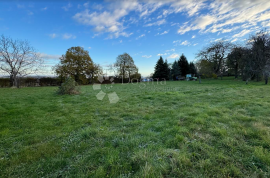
<point>145,29</point>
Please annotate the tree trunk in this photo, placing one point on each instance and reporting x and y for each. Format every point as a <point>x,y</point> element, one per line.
<point>246,81</point>
<point>11,80</point>
<point>199,78</point>
<point>236,71</point>
<point>266,80</point>
<point>15,81</point>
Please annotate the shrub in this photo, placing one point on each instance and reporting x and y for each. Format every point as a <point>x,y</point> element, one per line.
<point>69,87</point>
<point>4,82</point>
<point>214,76</point>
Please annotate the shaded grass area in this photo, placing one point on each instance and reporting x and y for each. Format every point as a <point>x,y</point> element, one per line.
<point>179,129</point>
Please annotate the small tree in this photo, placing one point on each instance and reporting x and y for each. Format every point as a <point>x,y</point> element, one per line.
<point>18,59</point>
<point>69,87</point>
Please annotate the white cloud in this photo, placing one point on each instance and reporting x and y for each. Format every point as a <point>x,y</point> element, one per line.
<point>223,14</point>
<point>219,17</point>
<point>97,7</point>
<point>53,35</point>
<point>49,56</point>
<point>86,4</point>
<point>165,54</point>
<point>140,36</point>
<point>266,24</point>
<point>43,9</point>
<point>67,7</point>
<point>157,23</point>
<point>194,36</point>
<point>68,36</point>
<point>177,41</point>
<point>108,21</point>
<point>242,33</point>
<point>30,13</point>
<point>173,56</point>
<point>185,43</point>
<point>200,23</point>
<point>89,47</point>
<point>120,41</point>
<point>145,56</point>
<point>20,6</point>
<point>165,32</point>
<point>159,17</point>
<point>170,50</point>
<point>219,39</point>
<point>234,40</point>
<point>144,13</point>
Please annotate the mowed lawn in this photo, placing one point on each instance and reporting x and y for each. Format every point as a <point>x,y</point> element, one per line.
<point>220,128</point>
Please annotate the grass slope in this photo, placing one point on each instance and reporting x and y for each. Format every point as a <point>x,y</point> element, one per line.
<point>181,129</point>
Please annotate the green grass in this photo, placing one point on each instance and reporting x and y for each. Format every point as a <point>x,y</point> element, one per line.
<point>181,129</point>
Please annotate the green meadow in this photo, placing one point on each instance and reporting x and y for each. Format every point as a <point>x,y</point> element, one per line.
<point>219,128</point>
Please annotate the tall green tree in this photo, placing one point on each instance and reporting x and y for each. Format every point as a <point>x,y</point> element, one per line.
<point>235,60</point>
<point>159,69</point>
<point>184,65</point>
<point>192,69</point>
<point>175,72</point>
<point>166,70</point>
<point>75,63</point>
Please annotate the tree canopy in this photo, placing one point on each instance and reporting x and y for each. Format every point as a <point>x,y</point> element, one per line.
<point>76,63</point>
<point>125,65</point>
<point>183,65</point>
<point>162,70</point>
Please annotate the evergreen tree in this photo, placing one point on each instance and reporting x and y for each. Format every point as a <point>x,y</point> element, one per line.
<point>175,72</point>
<point>184,65</point>
<point>166,70</point>
<point>192,69</point>
<point>159,69</point>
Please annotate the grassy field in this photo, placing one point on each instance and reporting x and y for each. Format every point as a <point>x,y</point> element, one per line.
<point>181,129</point>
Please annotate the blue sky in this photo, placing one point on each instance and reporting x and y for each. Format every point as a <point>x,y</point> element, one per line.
<point>144,28</point>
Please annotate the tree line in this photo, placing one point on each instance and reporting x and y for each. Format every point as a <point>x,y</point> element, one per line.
<point>174,71</point>
<point>248,62</point>
<point>78,64</point>
<point>19,59</point>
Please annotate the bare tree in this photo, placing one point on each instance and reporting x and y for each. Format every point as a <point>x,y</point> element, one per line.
<point>18,59</point>
<point>260,46</point>
<point>125,65</point>
<point>216,53</point>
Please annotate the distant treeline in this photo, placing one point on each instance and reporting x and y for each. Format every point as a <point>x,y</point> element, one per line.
<point>51,81</point>
<point>31,82</point>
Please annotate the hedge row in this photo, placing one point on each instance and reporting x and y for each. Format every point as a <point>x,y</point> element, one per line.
<point>31,82</point>
<point>48,81</point>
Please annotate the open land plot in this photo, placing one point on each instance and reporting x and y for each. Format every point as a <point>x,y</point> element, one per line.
<point>220,128</point>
